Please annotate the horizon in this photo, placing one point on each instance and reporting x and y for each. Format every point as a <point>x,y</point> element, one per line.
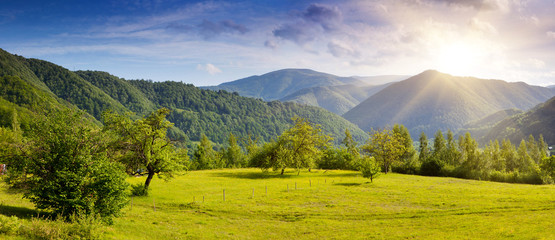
<point>207,43</point>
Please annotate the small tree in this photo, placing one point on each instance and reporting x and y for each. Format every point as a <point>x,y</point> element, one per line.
<point>142,144</point>
<point>65,168</point>
<point>369,167</point>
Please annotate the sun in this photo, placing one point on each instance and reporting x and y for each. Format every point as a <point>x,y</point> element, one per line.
<point>459,58</point>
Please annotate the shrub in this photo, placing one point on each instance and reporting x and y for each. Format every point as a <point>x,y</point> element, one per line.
<point>9,225</point>
<point>139,190</point>
<point>431,167</point>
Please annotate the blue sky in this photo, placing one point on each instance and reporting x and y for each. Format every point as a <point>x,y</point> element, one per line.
<point>210,42</point>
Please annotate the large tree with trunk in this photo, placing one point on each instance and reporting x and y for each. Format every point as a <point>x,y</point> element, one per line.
<point>143,146</point>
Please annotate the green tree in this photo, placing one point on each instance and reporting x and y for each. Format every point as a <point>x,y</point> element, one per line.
<point>143,145</point>
<point>408,161</point>
<point>65,168</point>
<point>233,155</point>
<point>386,146</point>
<point>510,155</point>
<point>547,167</point>
<point>205,157</point>
<point>452,154</point>
<point>439,147</point>
<point>303,143</point>
<point>369,168</point>
<point>424,150</point>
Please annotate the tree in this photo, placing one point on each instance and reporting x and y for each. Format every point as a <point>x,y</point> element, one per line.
<point>439,147</point>
<point>65,168</point>
<point>233,155</point>
<point>143,145</point>
<point>204,156</point>
<point>386,146</point>
<point>424,151</point>
<point>547,166</point>
<point>369,168</point>
<point>303,143</point>
<point>408,160</point>
<point>452,154</point>
<point>298,147</point>
<point>349,154</point>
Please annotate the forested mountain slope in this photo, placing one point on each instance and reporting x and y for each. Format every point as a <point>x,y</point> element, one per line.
<point>36,86</point>
<point>539,120</point>
<point>434,101</point>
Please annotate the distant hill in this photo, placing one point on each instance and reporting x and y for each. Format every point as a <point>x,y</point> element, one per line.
<point>551,86</point>
<point>305,86</point>
<point>278,84</point>
<point>32,86</point>
<point>479,128</point>
<point>433,101</point>
<point>539,120</point>
<point>336,99</point>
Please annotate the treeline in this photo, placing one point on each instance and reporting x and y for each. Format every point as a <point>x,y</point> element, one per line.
<point>304,146</point>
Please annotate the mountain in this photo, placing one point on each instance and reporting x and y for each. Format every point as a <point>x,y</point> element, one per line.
<point>539,120</point>
<point>551,86</point>
<point>433,101</point>
<point>278,84</point>
<point>32,86</point>
<point>336,99</point>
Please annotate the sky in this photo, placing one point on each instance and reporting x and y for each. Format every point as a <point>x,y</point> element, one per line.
<point>210,42</point>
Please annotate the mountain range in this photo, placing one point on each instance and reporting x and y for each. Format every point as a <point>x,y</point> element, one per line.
<point>433,101</point>
<point>305,86</point>
<point>32,86</point>
<point>427,102</point>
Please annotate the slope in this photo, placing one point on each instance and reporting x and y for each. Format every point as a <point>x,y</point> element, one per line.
<point>278,84</point>
<point>479,128</point>
<point>434,101</point>
<point>336,99</point>
<point>217,113</point>
<point>539,120</point>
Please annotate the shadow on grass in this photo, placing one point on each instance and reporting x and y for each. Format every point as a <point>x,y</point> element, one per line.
<point>255,175</point>
<point>287,174</point>
<point>20,212</point>
<point>348,184</point>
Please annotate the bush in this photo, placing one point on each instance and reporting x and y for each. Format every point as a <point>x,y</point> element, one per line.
<point>9,225</point>
<point>431,167</point>
<point>139,190</point>
<point>78,227</point>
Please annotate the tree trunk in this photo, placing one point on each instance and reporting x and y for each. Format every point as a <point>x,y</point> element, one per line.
<point>282,170</point>
<point>149,177</point>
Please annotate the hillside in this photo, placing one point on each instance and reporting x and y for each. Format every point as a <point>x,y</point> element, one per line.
<point>479,128</point>
<point>278,84</point>
<point>336,99</point>
<point>432,100</point>
<point>539,120</point>
<point>35,86</point>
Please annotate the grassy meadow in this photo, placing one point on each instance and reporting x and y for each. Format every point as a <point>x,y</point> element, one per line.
<point>325,205</point>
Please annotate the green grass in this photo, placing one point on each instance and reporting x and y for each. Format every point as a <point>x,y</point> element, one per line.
<point>329,205</point>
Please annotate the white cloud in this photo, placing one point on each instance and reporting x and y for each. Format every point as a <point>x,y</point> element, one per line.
<point>209,68</point>
<point>550,34</point>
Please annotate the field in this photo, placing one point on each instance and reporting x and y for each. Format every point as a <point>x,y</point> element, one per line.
<point>327,205</point>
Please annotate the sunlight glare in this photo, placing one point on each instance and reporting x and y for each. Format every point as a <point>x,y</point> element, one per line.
<point>458,58</point>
